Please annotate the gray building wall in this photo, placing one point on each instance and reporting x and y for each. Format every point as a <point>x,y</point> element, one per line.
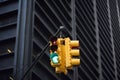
<point>26,27</point>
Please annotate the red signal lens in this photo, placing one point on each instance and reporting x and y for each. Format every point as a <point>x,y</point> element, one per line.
<point>54,46</point>
<point>54,43</point>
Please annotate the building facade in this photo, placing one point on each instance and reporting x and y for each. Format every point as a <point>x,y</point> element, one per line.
<point>27,25</point>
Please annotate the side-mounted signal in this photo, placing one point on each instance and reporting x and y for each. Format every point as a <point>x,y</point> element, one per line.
<point>72,53</point>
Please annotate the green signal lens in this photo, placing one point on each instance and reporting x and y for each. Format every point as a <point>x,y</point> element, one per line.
<point>54,58</point>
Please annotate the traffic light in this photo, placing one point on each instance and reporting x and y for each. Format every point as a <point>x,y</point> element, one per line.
<point>64,54</point>
<point>72,53</point>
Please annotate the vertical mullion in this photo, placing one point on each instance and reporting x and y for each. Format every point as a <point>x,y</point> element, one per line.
<point>23,47</point>
<point>98,40</point>
<point>112,40</point>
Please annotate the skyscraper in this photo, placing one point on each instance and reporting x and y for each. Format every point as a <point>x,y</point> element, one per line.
<point>27,25</point>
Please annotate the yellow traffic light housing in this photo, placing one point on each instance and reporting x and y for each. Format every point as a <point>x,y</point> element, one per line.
<point>61,51</point>
<point>62,54</point>
<point>72,51</point>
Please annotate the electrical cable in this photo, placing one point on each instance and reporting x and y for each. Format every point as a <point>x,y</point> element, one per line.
<point>42,52</point>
